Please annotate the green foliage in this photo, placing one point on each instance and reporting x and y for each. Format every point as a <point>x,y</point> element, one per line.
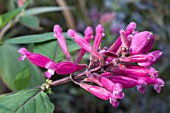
<point>40,10</point>
<point>22,79</point>
<point>26,101</point>
<point>10,67</point>
<point>5,18</point>
<point>30,22</point>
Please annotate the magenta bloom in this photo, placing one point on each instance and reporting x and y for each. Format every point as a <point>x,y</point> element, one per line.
<point>62,42</point>
<point>83,43</point>
<point>61,68</point>
<point>88,36</point>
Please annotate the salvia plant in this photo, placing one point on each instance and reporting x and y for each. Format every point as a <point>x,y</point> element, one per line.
<point>127,63</point>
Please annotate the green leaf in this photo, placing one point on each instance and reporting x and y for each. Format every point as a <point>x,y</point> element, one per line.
<point>40,10</point>
<point>30,22</point>
<point>26,101</point>
<point>5,18</point>
<point>31,39</point>
<point>22,79</point>
<point>34,38</point>
<point>10,67</point>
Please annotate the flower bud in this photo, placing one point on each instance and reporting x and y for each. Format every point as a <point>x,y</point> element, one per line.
<point>62,42</point>
<point>98,37</point>
<point>141,42</point>
<point>88,36</point>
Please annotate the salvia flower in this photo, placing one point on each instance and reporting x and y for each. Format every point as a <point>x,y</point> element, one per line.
<point>62,42</point>
<point>126,64</point>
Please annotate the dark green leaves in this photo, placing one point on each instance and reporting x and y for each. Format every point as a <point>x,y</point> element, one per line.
<point>30,22</point>
<point>30,39</point>
<point>40,10</point>
<point>22,79</point>
<point>5,18</point>
<point>26,101</point>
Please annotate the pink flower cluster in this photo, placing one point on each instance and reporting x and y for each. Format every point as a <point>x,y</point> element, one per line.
<point>126,64</point>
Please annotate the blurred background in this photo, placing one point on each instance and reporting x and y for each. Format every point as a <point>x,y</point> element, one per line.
<point>150,15</point>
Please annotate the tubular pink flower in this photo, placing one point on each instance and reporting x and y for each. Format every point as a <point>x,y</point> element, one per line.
<point>62,42</point>
<point>141,42</point>
<point>88,36</point>
<point>39,60</point>
<point>127,82</point>
<point>115,88</point>
<point>99,92</point>
<point>123,38</point>
<point>155,54</point>
<point>130,28</point>
<point>99,35</point>
<point>137,58</point>
<point>135,71</point>
<point>83,43</point>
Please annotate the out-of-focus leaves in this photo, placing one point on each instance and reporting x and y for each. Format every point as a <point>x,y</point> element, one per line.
<point>10,67</point>
<point>40,10</point>
<point>5,18</point>
<point>26,101</point>
<point>30,22</point>
<point>22,79</point>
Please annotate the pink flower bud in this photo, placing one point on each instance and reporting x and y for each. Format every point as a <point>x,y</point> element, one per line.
<point>98,37</point>
<point>97,91</point>
<point>123,38</point>
<point>83,43</point>
<point>88,36</point>
<point>62,42</point>
<point>141,42</point>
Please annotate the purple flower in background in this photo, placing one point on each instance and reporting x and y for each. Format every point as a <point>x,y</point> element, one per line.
<point>126,64</point>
